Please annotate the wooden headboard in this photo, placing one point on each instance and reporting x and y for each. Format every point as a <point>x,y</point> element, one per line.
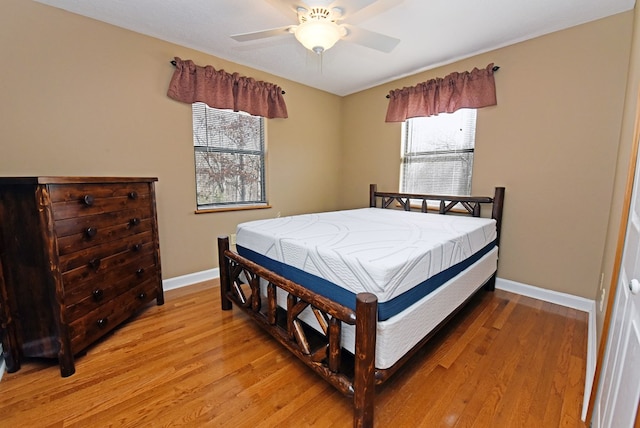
<point>471,204</point>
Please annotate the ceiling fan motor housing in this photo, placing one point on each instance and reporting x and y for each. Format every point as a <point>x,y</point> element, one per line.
<point>318,30</point>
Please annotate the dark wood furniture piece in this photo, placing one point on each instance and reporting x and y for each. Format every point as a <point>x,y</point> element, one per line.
<point>353,375</point>
<point>78,256</point>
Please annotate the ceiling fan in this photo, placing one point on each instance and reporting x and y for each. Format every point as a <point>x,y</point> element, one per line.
<point>320,23</point>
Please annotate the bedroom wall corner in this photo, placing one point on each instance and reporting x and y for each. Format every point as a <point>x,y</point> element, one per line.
<point>623,163</point>
<point>545,142</point>
<point>85,98</point>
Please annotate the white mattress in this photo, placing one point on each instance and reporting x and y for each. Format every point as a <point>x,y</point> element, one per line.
<point>382,251</point>
<point>399,334</point>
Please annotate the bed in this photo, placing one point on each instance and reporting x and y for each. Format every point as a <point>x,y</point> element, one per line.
<point>355,293</point>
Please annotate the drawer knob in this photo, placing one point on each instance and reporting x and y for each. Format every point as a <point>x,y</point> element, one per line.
<point>136,247</point>
<point>133,195</point>
<point>134,221</point>
<point>90,232</point>
<point>142,295</point>
<point>94,264</point>
<point>98,294</point>
<point>140,272</point>
<point>87,200</point>
<point>102,322</point>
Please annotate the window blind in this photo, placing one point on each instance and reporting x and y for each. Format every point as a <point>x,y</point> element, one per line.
<point>229,157</point>
<point>437,154</point>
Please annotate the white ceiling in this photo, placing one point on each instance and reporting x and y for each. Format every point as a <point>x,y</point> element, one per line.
<point>432,32</point>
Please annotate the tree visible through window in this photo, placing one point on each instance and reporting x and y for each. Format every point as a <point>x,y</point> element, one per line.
<point>437,153</point>
<point>229,157</point>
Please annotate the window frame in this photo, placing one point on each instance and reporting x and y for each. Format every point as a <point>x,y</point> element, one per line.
<point>405,154</point>
<point>261,153</point>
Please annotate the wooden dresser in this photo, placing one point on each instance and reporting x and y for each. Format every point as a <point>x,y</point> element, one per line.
<point>78,256</point>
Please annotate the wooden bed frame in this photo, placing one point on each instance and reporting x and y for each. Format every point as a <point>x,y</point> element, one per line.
<point>354,375</point>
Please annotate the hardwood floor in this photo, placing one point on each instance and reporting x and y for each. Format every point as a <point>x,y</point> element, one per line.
<point>505,361</point>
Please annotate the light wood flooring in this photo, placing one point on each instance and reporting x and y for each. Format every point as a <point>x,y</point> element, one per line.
<point>505,361</point>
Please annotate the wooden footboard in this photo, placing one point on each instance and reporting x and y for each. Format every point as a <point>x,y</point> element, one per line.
<point>240,283</point>
<point>255,290</point>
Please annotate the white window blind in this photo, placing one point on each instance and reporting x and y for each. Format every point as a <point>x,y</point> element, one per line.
<point>437,153</point>
<point>229,157</point>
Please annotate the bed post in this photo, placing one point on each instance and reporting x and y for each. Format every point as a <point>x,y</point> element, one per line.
<point>365,356</point>
<point>223,264</point>
<point>496,213</point>
<point>372,195</point>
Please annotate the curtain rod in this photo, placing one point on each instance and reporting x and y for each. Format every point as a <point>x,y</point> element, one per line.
<point>173,62</point>
<point>495,68</point>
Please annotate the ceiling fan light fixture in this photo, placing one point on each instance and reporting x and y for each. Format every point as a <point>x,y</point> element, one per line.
<point>318,36</point>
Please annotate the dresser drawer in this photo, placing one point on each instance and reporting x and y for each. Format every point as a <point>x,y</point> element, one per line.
<point>77,191</point>
<point>87,329</point>
<point>90,199</point>
<point>75,225</point>
<point>90,295</point>
<point>109,262</point>
<point>102,231</point>
<point>89,257</point>
<point>115,267</point>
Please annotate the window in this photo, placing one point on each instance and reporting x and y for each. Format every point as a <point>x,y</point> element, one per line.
<point>437,153</point>
<point>229,158</point>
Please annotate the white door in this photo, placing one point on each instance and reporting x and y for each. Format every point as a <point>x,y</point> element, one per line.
<point>619,393</point>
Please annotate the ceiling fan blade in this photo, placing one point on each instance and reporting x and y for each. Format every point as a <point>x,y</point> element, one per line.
<point>255,35</point>
<point>373,9</point>
<point>350,7</point>
<point>318,3</point>
<point>287,7</point>
<point>371,39</point>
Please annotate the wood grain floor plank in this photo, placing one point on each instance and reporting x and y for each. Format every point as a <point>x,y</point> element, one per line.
<point>521,393</point>
<point>428,369</point>
<point>557,386</point>
<point>458,385</point>
<point>470,331</point>
<point>469,395</point>
<point>515,335</point>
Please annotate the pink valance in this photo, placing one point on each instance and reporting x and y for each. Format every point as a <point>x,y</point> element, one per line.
<point>470,89</point>
<point>218,89</point>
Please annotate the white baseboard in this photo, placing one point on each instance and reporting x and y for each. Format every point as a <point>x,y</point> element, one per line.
<point>190,279</point>
<point>571,301</point>
<point>562,299</point>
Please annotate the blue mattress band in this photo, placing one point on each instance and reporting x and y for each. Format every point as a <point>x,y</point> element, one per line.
<point>347,298</point>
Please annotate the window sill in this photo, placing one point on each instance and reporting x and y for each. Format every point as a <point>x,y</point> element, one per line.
<point>232,208</point>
